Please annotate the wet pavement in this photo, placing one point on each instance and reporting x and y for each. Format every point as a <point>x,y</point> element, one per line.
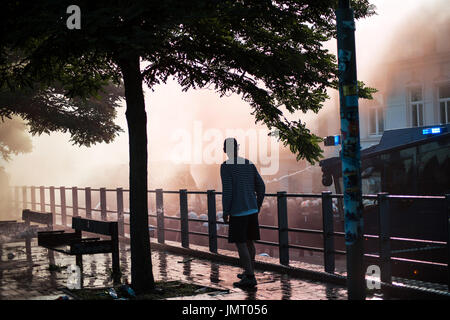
<point>27,276</point>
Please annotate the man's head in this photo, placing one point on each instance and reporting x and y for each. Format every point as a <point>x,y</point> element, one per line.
<point>231,147</point>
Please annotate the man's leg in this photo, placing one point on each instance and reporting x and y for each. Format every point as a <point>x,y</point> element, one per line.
<point>252,252</point>
<point>248,278</point>
<point>245,258</point>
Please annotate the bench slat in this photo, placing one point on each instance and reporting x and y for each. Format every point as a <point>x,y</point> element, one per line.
<point>37,217</point>
<point>46,239</point>
<point>91,247</point>
<point>92,226</point>
<point>52,232</point>
<point>7,222</point>
<point>89,239</point>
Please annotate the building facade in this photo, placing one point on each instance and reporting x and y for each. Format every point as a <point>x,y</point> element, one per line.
<point>413,82</point>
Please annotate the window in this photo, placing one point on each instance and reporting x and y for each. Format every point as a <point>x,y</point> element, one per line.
<point>376,121</point>
<point>416,101</point>
<point>444,103</point>
<point>433,168</point>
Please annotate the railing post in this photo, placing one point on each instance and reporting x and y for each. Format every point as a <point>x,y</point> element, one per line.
<point>87,197</point>
<point>447,201</point>
<point>385,241</point>
<point>120,218</point>
<point>52,204</point>
<point>75,201</point>
<point>33,198</point>
<point>42,198</point>
<point>62,191</point>
<point>103,204</point>
<point>24,198</point>
<point>212,226</point>
<point>184,222</point>
<point>160,215</point>
<point>328,238</point>
<point>283,238</point>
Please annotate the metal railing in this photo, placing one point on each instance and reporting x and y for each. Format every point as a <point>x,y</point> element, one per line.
<point>384,238</point>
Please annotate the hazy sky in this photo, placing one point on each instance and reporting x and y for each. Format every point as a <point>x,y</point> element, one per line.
<point>54,161</point>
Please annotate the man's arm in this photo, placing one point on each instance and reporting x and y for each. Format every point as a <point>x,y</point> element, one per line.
<point>260,188</point>
<point>227,184</point>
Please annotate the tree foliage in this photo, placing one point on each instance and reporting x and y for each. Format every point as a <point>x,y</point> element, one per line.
<point>46,110</point>
<point>269,52</point>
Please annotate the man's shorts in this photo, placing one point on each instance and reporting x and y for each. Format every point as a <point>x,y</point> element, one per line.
<point>243,228</point>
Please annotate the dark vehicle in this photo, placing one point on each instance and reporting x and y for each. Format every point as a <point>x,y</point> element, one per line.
<point>411,161</point>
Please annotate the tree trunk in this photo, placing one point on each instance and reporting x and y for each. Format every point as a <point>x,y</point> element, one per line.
<point>141,261</point>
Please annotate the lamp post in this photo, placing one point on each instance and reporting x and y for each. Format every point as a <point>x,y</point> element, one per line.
<point>350,154</point>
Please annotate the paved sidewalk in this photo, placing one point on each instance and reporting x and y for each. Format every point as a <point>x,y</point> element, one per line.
<point>21,278</point>
<point>24,277</point>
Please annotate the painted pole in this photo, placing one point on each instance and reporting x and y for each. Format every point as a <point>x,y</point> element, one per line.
<point>350,154</point>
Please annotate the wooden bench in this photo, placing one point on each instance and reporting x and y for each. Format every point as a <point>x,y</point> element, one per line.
<point>24,229</point>
<point>18,231</point>
<point>72,243</point>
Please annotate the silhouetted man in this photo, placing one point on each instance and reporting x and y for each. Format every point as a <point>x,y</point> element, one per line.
<point>242,196</point>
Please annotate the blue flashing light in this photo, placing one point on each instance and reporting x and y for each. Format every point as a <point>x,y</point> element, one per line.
<point>434,130</point>
<point>331,141</point>
<point>337,140</point>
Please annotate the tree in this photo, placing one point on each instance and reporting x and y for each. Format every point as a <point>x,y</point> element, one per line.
<point>269,52</point>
